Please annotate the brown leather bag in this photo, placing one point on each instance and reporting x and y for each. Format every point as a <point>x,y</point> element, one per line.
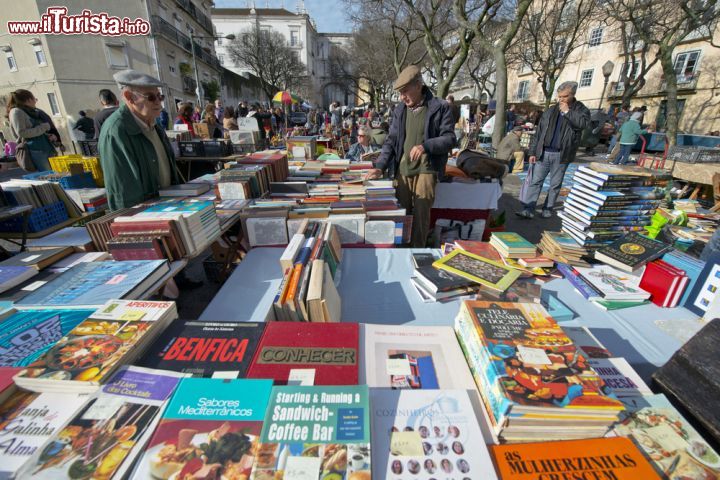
<point>23,157</point>
<point>479,165</point>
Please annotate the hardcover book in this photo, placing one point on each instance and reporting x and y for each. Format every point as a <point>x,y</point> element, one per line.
<point>27,334</point>
<point>631,252</point>
<point>671,444</point>
<point>481,249</point>
<point>86,356</point>
<point>615,458</point>
<point>25,428</point>
<point>478,269</point>
<point>612,283</point>
<point>105,436</point>
<point>320,353</point>
<point>427,434</point>
<point>205,349</point>
<point>37,259</point>
<point>94,283</point>
<point>209,430</point>
<point>315,433</point>
<point>12,276</point>
<point>436,280</point>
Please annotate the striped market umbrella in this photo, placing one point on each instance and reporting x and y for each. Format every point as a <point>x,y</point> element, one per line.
<point>285,98</point>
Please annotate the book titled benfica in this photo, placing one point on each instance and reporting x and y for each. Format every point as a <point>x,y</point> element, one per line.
<point>601,458</point>
<point>317,353</point>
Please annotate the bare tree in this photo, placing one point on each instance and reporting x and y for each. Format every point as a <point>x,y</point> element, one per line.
<point>480,68</point>
<point>664,25</point>
<point>267,54</point>
<point>494,23</point>
<point>550,32</point>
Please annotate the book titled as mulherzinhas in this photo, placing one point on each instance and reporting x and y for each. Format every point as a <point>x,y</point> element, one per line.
<point>105,436</point>
<point>315,432</point>
<point>208,430</point>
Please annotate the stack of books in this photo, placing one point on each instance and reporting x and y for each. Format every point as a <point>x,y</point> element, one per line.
<point>244,181</point>
<point>38,193</point>
<point>112,336</point>
<point>100,231</point>
<point>192,189</point>
<point>433,284</point>
<point>665,283</point>
<point>535,383</point>
<point>693,268</point>
<point>607,201</point>
<point>512,245</point>
<point>606,287</point>
<point>563,248</point>
<point>88,199</point>
<point>480,270</point>
<point>309,264</point>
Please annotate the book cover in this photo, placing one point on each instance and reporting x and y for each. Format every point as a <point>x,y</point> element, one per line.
<point>478,269</point>
<point>326,353</point>
<point>706,287</point>
<point>103,438</point>
<point>583,339</point>
<point>94,283</point>
<point>93,349</point>
<point>631,252</point>
<point>620,377</point>
<point>26,335</point>
<point>615,458</point>
<point>422,259</point>
<point>13,275</point>
<point>209,429</point>
<point>437,280</point>
<point>205,349</point>
<point>401,357</point>
<point>37,259</point>
<point>612,283</point>
<point>427,434</point>
<point>481,249</point>
<point>315,433</point>
<point>25,428</point>
<point>671,444</point>
<point>512,241</point>
<point>527,359</point>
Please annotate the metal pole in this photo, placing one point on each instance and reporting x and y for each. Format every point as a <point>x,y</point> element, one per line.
<point>197,73</point>
<point>603,92</point>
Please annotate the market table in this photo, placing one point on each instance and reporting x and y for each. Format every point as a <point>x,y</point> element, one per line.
<point>217,162</point>
<point>465,202</point>
<point>693,172</point>
<point>375,288</point>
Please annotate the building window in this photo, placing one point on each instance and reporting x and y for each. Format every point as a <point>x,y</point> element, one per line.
<point>523,90</point>
<point>294,38</point>
<point>559,48</point>
<point>12,64</point>
<point>586,77</point>
<point>53,104</point>
<point>685,65</point>
<point>596,35</point>
<point>173,70</point>
<point>117,56</point>
<point>221,59</point>
<point>40,55</point>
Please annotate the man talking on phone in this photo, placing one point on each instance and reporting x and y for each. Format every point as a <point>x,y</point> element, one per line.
<point>554,146</point>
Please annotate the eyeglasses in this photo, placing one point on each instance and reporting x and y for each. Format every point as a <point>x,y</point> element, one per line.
<point>151,97</point>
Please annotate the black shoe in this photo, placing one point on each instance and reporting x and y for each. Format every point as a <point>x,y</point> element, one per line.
<point>526,214</point>
<point>184,283</point>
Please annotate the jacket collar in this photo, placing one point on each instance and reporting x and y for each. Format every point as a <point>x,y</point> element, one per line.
<point>129,121</point>
<point>430,102</point>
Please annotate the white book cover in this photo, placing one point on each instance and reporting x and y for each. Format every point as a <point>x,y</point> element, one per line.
<point>620,376</point>
<point>350,228</point>
<point>25,430</point>
<point>427,434</point>
<point>104,437</point>
<point>614,284</point>
<point>380,232</point>
<point>267,231</point>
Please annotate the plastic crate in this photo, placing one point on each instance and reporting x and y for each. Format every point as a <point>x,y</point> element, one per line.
<point>38,175</point>
<point>192,148</point>
<point>68,182</point>
<point>40,219</point>
<point>90,164</point>
<point>89,148</point>
<point>240,148</point>
<point>216,148</point>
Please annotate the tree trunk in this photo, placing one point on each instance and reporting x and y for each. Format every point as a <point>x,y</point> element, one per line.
<point>443,88</point>
<point>500,95</point>
<point>549,92</point>
<point>671,118</point>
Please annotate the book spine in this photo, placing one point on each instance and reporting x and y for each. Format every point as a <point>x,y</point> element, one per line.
<point>585,289</point>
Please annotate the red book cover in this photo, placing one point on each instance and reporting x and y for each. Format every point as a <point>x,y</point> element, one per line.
<point>660,282</point>
<point>482,249</point>
<point>6,378</point>
<point>140,226</point>
<point>327,351</point>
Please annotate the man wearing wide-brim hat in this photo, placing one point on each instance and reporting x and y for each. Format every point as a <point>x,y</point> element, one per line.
<point>135,154</point>
<point>416,150</point>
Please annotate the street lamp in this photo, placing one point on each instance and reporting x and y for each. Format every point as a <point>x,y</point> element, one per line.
<point>198,88</point>
<point>607,70</point>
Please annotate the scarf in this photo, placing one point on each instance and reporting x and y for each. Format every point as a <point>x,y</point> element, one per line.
<point>31,112</point>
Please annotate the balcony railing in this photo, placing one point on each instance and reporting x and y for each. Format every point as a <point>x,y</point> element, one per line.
<point>196,14</point>
<point>176,36</point>
<point>189,84</point>
<point>685,81</point>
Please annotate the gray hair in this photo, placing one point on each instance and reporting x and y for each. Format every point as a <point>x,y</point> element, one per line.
<point>565,86</point>
<point>364,130</point>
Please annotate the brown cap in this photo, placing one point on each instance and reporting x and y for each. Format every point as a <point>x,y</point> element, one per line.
<point>407,76</point>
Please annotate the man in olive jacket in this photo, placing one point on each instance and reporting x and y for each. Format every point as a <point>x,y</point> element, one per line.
<point>135,153</point>
<point>416,150</point>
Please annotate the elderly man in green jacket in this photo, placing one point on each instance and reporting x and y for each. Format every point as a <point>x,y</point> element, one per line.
<point>135,153</point>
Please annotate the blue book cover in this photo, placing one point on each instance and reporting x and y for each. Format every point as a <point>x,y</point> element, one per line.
<point>15,274</point>
<point>692,267</point>
<point>27,335</point>
<point>93,283</point>
<point>585,289</point>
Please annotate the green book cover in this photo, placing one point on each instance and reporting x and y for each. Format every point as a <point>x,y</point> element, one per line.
<point>315,432</point>
<point>512,240</point>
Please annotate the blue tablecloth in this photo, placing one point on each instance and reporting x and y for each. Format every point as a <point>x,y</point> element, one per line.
<point>375,287</point>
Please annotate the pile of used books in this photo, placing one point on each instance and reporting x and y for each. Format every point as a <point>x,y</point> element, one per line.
<point>563,248</point>
<point>607,201</point>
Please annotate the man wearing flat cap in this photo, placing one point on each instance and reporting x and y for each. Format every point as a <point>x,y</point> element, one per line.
<point>416,149</point>
<point>135,153</point>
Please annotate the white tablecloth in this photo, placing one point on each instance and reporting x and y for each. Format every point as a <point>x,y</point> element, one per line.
<point>476,196</point>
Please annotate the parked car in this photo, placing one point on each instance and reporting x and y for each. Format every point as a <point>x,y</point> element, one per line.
<point>297,119</point>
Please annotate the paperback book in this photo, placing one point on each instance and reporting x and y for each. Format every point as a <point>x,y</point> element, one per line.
<point>631,252</point>
<point>315,433</point>
<point>478,269</point>
<point>612,283</point>
<point>423,434</point>
<point>209,430</point>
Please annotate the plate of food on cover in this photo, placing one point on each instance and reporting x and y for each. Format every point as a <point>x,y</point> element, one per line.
<point>82,353</point>
<point>220,454</point>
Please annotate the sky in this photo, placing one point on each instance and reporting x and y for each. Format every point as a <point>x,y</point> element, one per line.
<point>329,15</point>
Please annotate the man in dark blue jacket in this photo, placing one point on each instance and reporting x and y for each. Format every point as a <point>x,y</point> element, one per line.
<point>416,150</point>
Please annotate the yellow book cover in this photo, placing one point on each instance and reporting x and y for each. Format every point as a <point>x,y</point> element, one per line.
<point>478,269</point>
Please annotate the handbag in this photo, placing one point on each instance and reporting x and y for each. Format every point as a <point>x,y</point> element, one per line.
<point>525,187</point>
<point>23,157</point>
